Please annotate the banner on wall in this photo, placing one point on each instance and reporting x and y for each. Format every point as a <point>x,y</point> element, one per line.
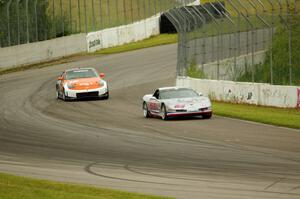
<point>94,41</point>
<point>298,101</point>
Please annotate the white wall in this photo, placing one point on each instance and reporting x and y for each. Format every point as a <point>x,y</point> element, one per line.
<point>42,51</point>
<point>243,92</point>
<point>64,46</point>
<point>123,34</point>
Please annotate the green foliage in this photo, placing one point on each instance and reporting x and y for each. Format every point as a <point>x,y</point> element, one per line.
<point>280,51</point>
<point>194,71</point>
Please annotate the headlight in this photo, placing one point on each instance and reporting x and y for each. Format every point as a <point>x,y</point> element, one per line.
<point>70,86</point>
<point>101,83</point>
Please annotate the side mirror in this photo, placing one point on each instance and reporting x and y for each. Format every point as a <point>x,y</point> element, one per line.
<point>60,78</point>
<point>102,75</point>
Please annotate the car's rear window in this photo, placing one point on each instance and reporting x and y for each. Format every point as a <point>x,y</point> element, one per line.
<point>81,73</point>
<point>177,93</point>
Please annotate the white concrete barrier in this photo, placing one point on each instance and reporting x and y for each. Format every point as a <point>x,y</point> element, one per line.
<point>243,92</point>
<point>42,51</point>
<point>123,34</point>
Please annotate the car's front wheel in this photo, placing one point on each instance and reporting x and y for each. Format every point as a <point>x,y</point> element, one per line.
<point>164,115</point>
<point>64,97</point>
<point>146,111</point>
<point>207,116</point>
<point>106,96</point>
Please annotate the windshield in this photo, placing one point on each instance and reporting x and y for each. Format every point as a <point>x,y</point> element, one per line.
<point>81,73</point>
<point>178,93</point>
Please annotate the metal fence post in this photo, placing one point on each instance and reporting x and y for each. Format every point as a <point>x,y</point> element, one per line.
<point>218,39</point>
<point>8,22</point>
<point>85,17</point>
<point>289,41</point>
<point>18,18</point>
<point>117,10</point>
<point>286,24</point>
<point>270,28</point>
<point>178,27</point>
<point>108,12</point>
<point>70,16</point>
<point>124,11</point>
<point>236,36</point>
<point>36,21</point>
<point>203,23</point>
<point>93,15</point>
<point>100,14</point>
<point>62,18</point>
<point>271,45</point>
<point>27,22</point>
<point>131,11</point>
<point>195,33</point>
<point>138,9</point>
<point>79,15</point>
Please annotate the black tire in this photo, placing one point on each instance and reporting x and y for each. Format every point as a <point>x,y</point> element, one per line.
<point>57,95</point>
<point>164,115</point>
<point>146,111</point>
<point>64,97</point>
<point>106,96</point>
<point>207,116</point>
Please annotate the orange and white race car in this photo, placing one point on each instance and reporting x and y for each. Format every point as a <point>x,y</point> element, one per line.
<point>79,83</point>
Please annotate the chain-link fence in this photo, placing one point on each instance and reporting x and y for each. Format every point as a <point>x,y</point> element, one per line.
<point>25,21</point>
<point>239,40</point>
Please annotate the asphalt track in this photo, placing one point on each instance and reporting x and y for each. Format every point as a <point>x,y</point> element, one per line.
<point>110,144</point>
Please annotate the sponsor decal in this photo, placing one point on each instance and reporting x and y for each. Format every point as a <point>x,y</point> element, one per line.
<point>94,43</point>
<point>298,101</point>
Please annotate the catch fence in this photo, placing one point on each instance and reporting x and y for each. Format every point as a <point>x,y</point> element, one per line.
<point>239,40</point>
<point>25,21</point>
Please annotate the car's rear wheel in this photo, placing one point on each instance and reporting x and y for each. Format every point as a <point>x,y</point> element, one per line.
<point>164,115</point>
<point>207,116</point>
<point>146,111</point>
<point>57,94</point>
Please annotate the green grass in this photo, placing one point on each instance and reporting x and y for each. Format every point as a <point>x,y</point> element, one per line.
<point>268,115</point>
<point>162,39</point>
<point>14,187</point>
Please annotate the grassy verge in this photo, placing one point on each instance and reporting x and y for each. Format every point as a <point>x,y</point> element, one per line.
<point>14,187</point>
<point>268,115</point>
<point>162,39</point>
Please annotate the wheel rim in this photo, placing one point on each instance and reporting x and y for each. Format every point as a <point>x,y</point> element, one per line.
<point>163,110</point>
<point>64,96</point>
<point>145,110</point>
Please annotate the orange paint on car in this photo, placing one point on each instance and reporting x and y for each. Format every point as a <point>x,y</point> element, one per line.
<point>84,83</point>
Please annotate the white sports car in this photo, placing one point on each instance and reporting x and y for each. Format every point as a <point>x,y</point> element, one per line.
<point>174,101</point>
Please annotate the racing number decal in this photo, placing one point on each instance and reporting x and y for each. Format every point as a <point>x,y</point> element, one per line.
<point>153,106</point>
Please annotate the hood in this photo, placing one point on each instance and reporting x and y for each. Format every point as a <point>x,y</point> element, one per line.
<point>179,102</point>
<point>84,83</point>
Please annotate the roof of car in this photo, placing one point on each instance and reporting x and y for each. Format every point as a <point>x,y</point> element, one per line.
<point>72,69</point>
<point>172,88</point>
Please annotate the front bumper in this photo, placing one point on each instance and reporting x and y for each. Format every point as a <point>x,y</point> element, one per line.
<point>89,93</point>
<point>191,113</point>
